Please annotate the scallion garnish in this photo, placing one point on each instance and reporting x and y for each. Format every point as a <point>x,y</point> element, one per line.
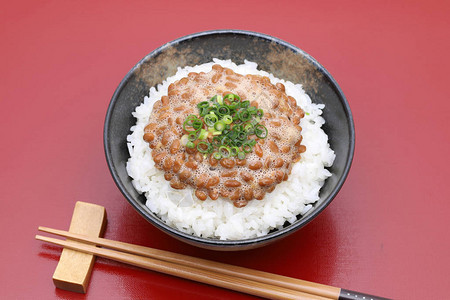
<point>216,141</point>
<point>225,151</point>
<point>225,127</point>
<point>210,120</point>
<point>219,126</point>
<point>192,136</point>
<point>203,147</point>
<point>219,99</point>
<point>227,119</point>
<point>203,104</point>
<point>244,115</point>
<point>223,110</point>
<point>245,104</point>
<point>234,151</point>
<point>259,113</point>
<point>203,134</point>
<point>247,148</point>
<point>261,131</point>
<point>217,155</point>
<point>232,97</point>
<point>190,144</point>
<point>241,136</point>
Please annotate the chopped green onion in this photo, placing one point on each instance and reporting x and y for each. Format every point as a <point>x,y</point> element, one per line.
<point>184,139</point>
<point>201,147</point>
<point>226,140</point>
<point>234,151</point>
<point>197,124</point>
<point>261,131</point>
<point>219,99</point>
<point>255,121</point>
<point>210,120</point>
<point>192,136</point>
<point>245,104</point>
<point>238,143</point>
<point>225,151</point>
<point>192,121</point>
<point>238,127</point>
<point>203,104</point>
<point>219,126</point>
<point>260,113</point>
<point>227,119</point>
<point>252,109</point>
<point>229,97</point>
<point>203,134</point>
<point>249,129</point>
<point>232,97</point>
<point>204,111</point>
<point>191,117</point>
<point>232,135</point>
<point>223,110</point>
<point>241,155</point>
<point>213,109</point>
<point>241,135</point>
<point>216,141</point>
<point>233,106</point>
<point>246,147</point>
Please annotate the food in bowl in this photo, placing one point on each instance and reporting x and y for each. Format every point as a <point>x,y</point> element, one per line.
<point>219,151</point>
<point>226,145</point>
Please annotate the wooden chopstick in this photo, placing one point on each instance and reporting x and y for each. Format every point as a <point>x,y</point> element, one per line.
<point>217,279</point>
<point>303,286</point>
<point>236,278</point>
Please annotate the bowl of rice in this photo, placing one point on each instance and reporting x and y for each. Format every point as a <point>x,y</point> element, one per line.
<point>310,182</point>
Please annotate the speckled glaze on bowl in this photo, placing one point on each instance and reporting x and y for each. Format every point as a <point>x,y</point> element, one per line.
<point>271,54</point>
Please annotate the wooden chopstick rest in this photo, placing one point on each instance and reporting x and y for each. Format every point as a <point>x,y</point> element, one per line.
<point>74,267</point>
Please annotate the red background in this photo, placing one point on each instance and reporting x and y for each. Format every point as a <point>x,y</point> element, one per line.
<point>386,232</point>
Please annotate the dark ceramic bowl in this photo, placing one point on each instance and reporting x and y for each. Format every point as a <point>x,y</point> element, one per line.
<point>272,55</point>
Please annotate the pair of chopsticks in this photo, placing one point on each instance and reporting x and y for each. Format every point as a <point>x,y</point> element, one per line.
<point>253,282</point>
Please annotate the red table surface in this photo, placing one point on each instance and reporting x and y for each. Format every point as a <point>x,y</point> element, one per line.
<point>386,233</point>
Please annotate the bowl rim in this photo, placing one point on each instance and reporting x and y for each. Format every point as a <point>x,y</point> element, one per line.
<point>217,243</point>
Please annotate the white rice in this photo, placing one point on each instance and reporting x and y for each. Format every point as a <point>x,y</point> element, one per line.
<point>219,218</point>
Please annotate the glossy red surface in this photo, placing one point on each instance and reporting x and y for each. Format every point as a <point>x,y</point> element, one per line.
<point>386,232</point>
